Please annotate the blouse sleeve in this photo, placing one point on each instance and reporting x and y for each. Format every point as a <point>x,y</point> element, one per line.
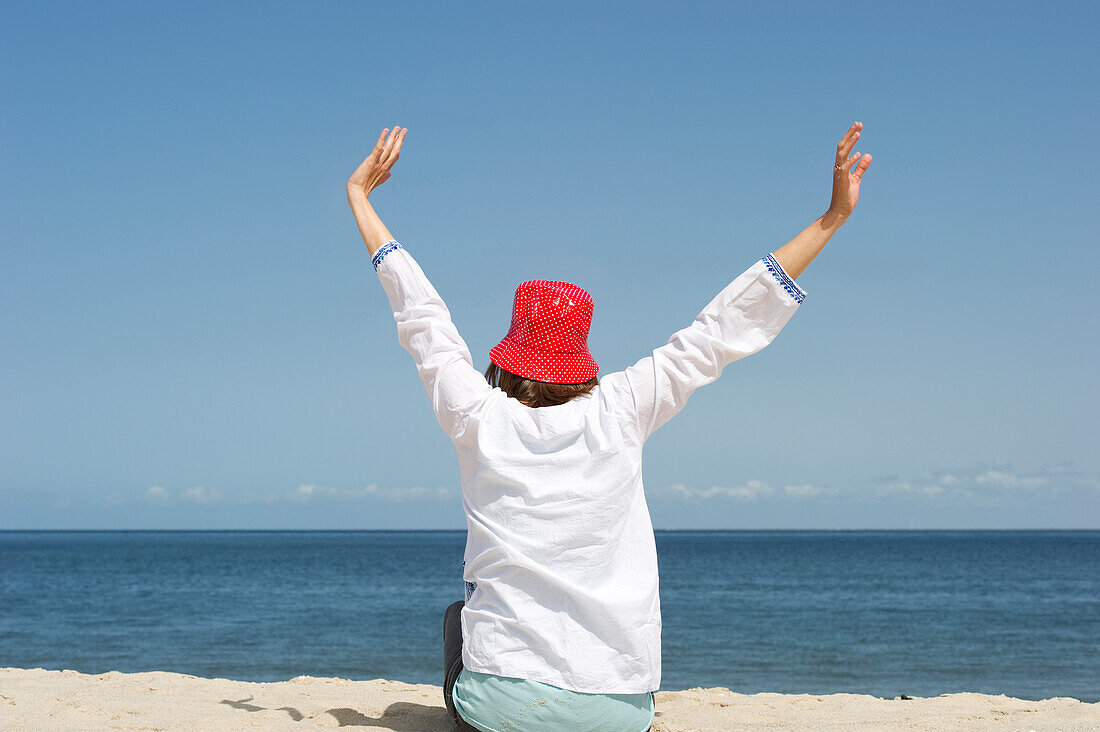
<point>424,329</point>
<point>741,320</point>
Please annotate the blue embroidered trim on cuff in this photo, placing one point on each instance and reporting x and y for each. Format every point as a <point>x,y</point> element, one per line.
<point>784,279</point>
<point>383,250</point>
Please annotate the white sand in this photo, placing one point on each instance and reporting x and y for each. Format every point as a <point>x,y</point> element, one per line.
<point>66,700</point>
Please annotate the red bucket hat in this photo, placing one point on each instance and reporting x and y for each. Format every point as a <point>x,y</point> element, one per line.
<point>548,339</point>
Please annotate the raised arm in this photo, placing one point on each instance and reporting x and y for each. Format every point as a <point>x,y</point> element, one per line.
<point>371,173</point>
<point>424,325</point>
<point>796,255</point>
<point>741,320</point>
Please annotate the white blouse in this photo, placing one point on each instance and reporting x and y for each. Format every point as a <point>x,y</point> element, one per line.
<point>560,563</point>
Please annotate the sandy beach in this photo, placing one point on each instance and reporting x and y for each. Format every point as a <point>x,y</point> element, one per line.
<point>66,700</point>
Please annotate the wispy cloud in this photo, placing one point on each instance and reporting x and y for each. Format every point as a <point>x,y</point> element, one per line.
<point>1001,479</point>
<point>808,490</point>
<point>198,494</point>
<point>163,496</point>
<point>980,483</point>
<point>749,491</point>
<point>930,489</point>
<point>308,492</point>
<point>986,481</point>
<point>157,494</point>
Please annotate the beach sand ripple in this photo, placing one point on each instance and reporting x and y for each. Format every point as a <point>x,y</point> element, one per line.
<point>37,699</point>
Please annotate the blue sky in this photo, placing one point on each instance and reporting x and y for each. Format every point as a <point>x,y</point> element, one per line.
<point>193,335</point>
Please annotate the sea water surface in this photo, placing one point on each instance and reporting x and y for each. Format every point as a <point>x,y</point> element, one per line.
<point>884,613</point>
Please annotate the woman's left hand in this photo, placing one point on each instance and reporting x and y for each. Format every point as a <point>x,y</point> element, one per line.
<point>375,170</point>
<point>845,179</point>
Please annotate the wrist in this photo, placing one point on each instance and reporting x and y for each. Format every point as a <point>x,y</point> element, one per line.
<point>356,194</point>
<point>833,219</point>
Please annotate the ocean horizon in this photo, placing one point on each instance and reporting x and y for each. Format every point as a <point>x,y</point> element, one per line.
<point>880,612</point>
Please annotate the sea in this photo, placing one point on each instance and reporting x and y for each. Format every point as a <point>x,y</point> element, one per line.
<point>886,613</point>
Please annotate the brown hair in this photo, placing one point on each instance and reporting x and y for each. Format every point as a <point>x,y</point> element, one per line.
<point>536,393</point>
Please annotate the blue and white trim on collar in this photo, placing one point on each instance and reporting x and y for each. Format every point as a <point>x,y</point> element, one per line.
<point>783,278</point>
<point>383,250</point>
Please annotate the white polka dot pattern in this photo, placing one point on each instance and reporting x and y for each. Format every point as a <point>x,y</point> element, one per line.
<point>548,338</point>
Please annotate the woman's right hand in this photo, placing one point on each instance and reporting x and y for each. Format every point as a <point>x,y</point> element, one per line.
<point>845,180</point>
<point>375,170</point>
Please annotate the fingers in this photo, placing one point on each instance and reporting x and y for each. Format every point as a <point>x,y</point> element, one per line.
<point>395,148</point>
<point>847,164</point>
<point>864,164</point>
<point>359,177</point>
<point>375,169</point>
<point>389,143</point>
<point>845,145</point>
<point>381,140</point>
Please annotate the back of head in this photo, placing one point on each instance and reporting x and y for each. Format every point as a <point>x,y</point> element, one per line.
<point>536,393</point>
<point>544,359</point>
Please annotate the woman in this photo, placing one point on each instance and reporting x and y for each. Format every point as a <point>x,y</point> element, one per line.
<point>561,625</point>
